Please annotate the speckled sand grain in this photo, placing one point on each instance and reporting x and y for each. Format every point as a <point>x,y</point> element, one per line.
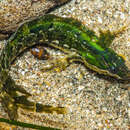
<point>92,101</point>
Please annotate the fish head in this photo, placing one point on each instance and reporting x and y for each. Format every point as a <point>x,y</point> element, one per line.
<point>116,65</point>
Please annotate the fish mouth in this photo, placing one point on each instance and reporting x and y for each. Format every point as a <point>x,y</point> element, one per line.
<point>127,76</point>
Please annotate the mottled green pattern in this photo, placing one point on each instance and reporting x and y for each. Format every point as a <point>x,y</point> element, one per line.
<point>68,32</point>
<point>71,34</point>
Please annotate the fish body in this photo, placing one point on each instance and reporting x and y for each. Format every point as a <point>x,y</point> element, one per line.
<point>71,35</point>
<point>66,34</point>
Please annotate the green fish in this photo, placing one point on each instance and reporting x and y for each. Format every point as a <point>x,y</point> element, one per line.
<point>66,34</point>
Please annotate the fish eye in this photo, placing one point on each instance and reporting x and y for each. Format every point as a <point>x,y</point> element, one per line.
<point>113,69</point>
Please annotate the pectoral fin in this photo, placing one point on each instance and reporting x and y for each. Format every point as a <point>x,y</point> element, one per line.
<point>106,37</point>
